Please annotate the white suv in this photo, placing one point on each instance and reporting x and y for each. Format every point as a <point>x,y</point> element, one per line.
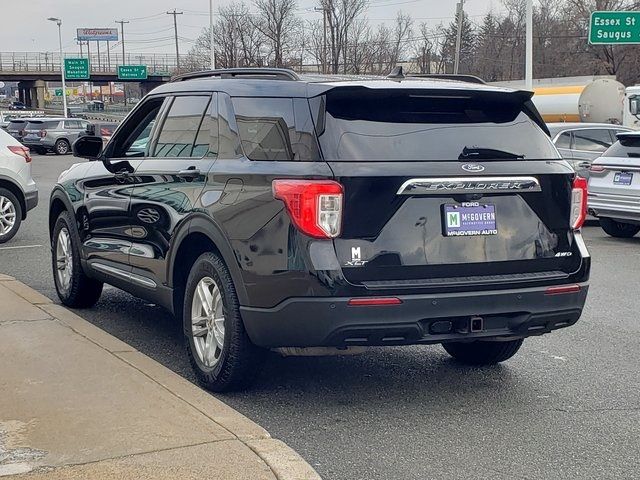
<point>18,191</point>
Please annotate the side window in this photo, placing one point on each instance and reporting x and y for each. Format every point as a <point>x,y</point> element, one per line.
<point>564,140</point>
<point>276,129</point>
<point>593,140</point>
<point>206,143</point>
<point>72,124</point>
<point>133,137</point>
<point>229,141</point>
<point>178,133</point>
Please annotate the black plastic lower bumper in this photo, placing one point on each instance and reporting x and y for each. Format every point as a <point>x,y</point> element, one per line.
<point>31,200</point>
<point>419,319</point>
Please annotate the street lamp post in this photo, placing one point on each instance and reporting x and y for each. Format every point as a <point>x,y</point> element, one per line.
<point>528,76</point>
<point>211,36</point>
<point>64,86</point>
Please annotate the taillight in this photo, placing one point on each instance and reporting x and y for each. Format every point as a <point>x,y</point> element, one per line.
<point>22,151</point>
<point>578,203</point>
<point>562,289</point>
<point>315,206</point>
<point>43,133</point>
<point>596,168</point>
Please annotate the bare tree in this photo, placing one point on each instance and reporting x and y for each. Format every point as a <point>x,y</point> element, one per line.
<point>341,15</point>
<point>276,20</point>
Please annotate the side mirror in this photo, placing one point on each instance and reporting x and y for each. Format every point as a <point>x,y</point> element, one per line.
<point>634,105</point>
<point>89,147</point>
<point>91,129</point>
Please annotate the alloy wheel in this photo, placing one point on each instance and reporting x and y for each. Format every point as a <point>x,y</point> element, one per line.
<point>7,215</point>
<point>207,322</point>
<point>64,259</point>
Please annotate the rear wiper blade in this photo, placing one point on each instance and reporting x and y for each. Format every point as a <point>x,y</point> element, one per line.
<point>476,153</point>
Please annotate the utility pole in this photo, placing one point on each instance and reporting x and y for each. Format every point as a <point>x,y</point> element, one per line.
<point>528,69</point>
<point>124,84</point>
<point>460,15</point>
<point>175,28</point>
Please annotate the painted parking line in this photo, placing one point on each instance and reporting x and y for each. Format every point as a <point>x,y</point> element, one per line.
<point>20,246</point>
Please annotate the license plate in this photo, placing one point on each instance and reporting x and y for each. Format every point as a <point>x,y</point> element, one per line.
<point>622,178</point>
<point>469,219</point>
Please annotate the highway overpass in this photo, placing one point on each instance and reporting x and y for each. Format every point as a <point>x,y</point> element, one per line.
<point>33,69</point>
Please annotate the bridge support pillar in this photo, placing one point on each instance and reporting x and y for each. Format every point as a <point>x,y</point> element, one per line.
<point>25,89</point>
<point>38,94</point>
<point>146,87</point>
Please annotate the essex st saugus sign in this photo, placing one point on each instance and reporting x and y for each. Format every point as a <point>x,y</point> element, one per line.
<point>614,28</point>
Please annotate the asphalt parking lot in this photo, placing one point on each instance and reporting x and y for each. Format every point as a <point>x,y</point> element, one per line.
<point>567,406</point>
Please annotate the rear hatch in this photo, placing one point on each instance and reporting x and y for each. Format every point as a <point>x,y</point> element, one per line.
<point>446,188</point>
<point>37,129</point>
<point>617,172</point>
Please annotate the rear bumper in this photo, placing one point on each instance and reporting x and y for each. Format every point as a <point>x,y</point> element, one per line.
<point>419,319</point>
<point>620,207</point>
<point>31,200</point>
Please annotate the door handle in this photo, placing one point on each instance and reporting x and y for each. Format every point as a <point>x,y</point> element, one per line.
<point>189,173</point>
<point>584,164</point>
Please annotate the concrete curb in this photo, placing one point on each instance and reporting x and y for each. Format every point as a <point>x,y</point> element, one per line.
<point>284,462</point>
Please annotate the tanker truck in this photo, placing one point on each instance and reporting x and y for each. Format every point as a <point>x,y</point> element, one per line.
<point>599,101</point>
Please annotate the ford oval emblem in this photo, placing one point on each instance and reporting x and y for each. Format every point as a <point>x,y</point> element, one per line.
<point>472,167</point>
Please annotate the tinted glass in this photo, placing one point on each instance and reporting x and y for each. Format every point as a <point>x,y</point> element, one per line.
<point>424,125</point>
<point>206,143</point>
<point>592,140</point>
<point>625,147</point>
<point>15,126</point>
<point>229,140</point>
<point>133,138</point>
<point>276,129</point>
<point>179,130</point>
<point>41,125</point>
<point>73,124</point>
<point>564,140</point>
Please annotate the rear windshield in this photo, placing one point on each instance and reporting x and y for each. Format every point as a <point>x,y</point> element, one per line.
<point>15,125</point>
<point>358,124</point>
<point>41,125</point>
<point>627,146</point>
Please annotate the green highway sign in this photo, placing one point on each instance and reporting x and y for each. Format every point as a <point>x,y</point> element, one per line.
<point>76,68</point>
<point>614,28</point>
<point>58,92</point>
<point>132,72</point>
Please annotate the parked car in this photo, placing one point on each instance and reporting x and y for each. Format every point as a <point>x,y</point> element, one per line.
<point>581,143</point>
<point>15,127</point>
<point>268,210</point>
<point>56,135</point>
<point>103,130</point>
<point>614,187</point>
<point>16,105</point>
<point>18,191</point>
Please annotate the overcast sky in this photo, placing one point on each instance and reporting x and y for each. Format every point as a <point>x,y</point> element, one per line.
<point>25,28</point>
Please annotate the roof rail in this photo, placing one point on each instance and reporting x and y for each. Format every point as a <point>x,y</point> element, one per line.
<point>448,76</point>
<point>255,73</point>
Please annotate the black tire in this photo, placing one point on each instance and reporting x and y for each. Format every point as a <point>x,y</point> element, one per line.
<point>239,360</point>
<point>41,151</point>
<point>82,291</point>
<point>483,353</point>
<point>9,203</point>
<point>62,147</point>
<point>619,229</point>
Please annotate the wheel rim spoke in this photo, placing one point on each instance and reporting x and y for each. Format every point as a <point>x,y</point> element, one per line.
<point>7,215</point>
<point>64,259</point>
<point>207,322</point>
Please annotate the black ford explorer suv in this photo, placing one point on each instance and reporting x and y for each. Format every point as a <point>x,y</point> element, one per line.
<point>267,210</point>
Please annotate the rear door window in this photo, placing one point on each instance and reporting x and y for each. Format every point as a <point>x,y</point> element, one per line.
<point>276,129</point>
<point>362,124</point>
<point>564,140</point>
<point>181,127</point>
<point>591,140</point>
<point>72,124</point>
